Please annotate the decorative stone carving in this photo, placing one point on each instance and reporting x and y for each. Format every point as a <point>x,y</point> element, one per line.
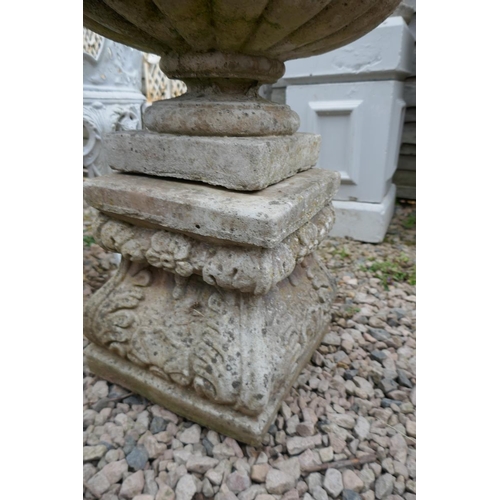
<point>112,97</point>
<point>231,348</point>
<point>247,269</point>
<point>219,301</point>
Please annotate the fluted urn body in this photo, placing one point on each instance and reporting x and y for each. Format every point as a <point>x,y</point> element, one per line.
<point>228,48</point>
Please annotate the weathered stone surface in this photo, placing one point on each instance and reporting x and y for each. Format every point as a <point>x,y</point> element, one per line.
<point>172,373</point>
<point>239,163</point>
<point>224,358</point>
<point>283,33</point>
<point>221,115</point>
<point>248,269</point>
<point>263,219</point>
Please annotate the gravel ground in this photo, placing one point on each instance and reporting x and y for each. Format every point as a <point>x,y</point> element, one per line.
<point>355,398</point>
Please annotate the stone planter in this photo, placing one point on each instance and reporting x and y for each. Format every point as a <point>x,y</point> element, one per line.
<point>219,300</point>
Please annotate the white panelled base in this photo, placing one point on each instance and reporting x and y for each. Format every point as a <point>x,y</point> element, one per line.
<point>353,98</point>
<point>364,221</point>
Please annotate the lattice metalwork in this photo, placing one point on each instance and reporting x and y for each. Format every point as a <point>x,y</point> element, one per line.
<point>158,85</point>
<point>92,42</point>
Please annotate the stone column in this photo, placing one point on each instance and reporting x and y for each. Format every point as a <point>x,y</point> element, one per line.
<point>219,300</point>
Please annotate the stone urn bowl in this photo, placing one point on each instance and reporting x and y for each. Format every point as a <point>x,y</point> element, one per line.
<point>225,49</point>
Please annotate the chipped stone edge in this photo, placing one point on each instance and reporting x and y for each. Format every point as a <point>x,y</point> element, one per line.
<point>239,163</point>
<point>264,219</point>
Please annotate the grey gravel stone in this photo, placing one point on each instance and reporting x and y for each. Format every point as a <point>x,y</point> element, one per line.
<point>137,458</point>
<point>200,464</point>
<point>387,402</point>
<point>379,334</point>
<point>384,485</point>
<point>350,495</point>
<point>352,481</point>
<point>114,471</point>
<point>362,428</point>
<point>191,435</point>
<point>314,479</point>
<point>343,420</point>
<point>150,485</point>
<point>411,486</point>
<point>98,484</point>
<point>158,424</point>
<point>333,483</point>
<point>399,448</point>
<point>403,379</point>
<point>291,467</point>
<point>278,482</point>
<point>186,488</point>
<point>319,493</point>
<point>387,385</point>
<point>208,445</point>
<point>297,445</point>
<point>132,485</point>
<point>129,445</point>
<point>238,481</point>
<point>378,355</point>
<point>91,453</point>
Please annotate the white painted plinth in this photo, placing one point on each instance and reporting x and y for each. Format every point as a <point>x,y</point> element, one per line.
<point>353,98</point>
<point>364,221</point>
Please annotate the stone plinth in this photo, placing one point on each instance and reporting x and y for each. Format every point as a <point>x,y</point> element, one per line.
<point>221,357</point>
<point>219,301</point>
<point>241,163</point>
<point>263,218</point>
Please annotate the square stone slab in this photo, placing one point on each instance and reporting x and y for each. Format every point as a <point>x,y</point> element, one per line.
<point>262,218</point>
<point>240,163</point>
